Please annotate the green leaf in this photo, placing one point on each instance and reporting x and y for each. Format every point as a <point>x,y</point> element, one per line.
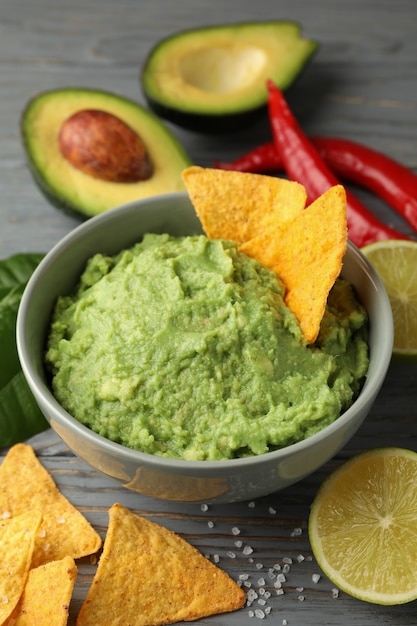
<point>20,416</point>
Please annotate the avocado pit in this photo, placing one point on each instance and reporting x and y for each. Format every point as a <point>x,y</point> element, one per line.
<point>104,147</point>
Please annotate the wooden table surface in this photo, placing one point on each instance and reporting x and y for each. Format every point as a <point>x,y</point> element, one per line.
<point>362,84</point>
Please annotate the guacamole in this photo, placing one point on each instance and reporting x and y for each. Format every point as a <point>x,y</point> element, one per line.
<point>183,347</point>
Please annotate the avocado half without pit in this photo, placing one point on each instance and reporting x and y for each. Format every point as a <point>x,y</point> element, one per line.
<point>214,79</point>
<point>90,151</point>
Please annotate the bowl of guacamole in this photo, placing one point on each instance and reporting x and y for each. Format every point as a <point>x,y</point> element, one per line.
<point>171,362</point>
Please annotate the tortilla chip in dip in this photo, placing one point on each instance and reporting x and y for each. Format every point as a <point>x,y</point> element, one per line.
<point>240,206</point>
<point>306,253</point>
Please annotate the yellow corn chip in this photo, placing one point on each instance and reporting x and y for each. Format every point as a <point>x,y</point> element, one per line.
<point>240,206</point>
<point>46,597</point>
<point>307,255</point>
<point>148,575</point>
<point>17,540</point>
<point>26,485</point>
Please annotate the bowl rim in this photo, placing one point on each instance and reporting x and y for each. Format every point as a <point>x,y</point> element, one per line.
<point>41,390</point>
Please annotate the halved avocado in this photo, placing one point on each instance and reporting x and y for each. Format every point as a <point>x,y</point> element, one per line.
<point>77,192</point>
<point>213,79</point>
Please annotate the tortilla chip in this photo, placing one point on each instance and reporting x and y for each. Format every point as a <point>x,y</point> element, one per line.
<point>17,540</point>
<point>47,595</point>
<point>307,255</point>
<point>148,575</point>
<point>240,206</point>
<point>26,485</point>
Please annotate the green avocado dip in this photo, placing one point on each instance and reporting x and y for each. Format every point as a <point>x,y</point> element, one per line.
<point>184,348</point>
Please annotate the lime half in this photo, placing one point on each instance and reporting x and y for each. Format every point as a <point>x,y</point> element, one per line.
<point>396,263</point>
<point>362,526</point>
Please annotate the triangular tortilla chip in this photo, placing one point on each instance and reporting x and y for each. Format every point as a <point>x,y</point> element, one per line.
<point>17,540</point>
<point>240,206</point>
<point>46,597</point>
<point>148,575</point>
<point>26,485</point>
<point>307,255</point>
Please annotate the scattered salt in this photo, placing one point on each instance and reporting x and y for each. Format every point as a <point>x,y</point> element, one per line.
<point>60,520</point>
<point>259,613</point>
<point>251,505</point>
<point>204,507</point>
<point>243,576</point>
<point>5,515</point>
<point>235,530</point>
<point>301,598</point>
<point>300,558</point>
<point>261,601</point>
<point>335,593</point>
<point>231,554</point>
<point>42,533</point>
<point>259,565</point>
<point>287,560</point>
<point>299,589</point>
<point>272,511</point>
<point>252,595</point>
<point>261,582</point>
<point>247,550</point>
<point>297,532</point>
<point>4,600</point>
<point>284,622</point>
<point>216,558</point>
<point>315,578</point>
<point>280,592</point>
<point>210,524</point>
<point>286,568</point>
<point>238,544</point>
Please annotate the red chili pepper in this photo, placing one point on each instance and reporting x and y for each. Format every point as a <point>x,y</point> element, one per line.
<point>350,160</point>
<point>390,180</point>
<point>263,158</point>
<point>304,164</point>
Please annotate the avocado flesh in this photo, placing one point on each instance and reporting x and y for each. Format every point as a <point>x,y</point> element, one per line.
<point>70,189</point>
<point>197,77</point>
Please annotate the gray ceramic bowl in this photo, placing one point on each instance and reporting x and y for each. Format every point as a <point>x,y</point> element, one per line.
<point>187,481</point>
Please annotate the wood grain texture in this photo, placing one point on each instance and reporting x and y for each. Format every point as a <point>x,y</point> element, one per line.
<point>362,84</point>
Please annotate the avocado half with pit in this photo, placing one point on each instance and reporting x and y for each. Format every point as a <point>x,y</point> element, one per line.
<point>90,151</point>
<point>213,79</point>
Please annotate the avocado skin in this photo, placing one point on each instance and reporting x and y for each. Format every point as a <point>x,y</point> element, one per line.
<point>220,122</point>
<point>208,124</point>
<point>166,148</point>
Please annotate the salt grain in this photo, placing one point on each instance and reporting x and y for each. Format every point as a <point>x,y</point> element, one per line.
<point>243,576</point>
<point>284,622</point>
<point>235,530</point>
<point>280,592</point>
<point>231,554</point>
<point>247,550</point>
<point>300,558</point>
<point>315,578</point>
<point>272,510</point>
<point>261,582</point>
<point>60,520</point>
<point>259,613</point>
<point>5,515</point>
<point>210,524</point>
<point>251,505</point>
<point>238,544</point>
<point>261,601</point>
<point>335,593</point>
<point>259,565</point>
<point>204,507</point>
<point>4,600</point>
<point>301,598</point>
<point>216,558</point>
